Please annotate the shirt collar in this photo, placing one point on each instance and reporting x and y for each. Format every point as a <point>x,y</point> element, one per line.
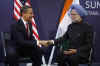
<point>24,22</point>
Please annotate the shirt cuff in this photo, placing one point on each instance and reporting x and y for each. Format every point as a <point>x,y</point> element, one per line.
<point>52,42</point>
<point>38,44</point>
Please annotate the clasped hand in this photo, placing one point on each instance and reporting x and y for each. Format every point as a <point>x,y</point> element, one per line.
<point>45,43</point>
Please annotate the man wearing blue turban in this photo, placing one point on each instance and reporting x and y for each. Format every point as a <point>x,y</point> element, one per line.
<point>80,37</point>
<point>80,10</point>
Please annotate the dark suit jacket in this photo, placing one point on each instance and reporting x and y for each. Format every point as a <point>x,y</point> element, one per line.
<point>19,35</point>
<point>80,37</point>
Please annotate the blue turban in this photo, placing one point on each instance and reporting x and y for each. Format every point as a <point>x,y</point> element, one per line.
<point>79,9</point>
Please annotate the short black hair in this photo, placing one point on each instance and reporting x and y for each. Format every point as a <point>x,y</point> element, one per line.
<point>24,9</point>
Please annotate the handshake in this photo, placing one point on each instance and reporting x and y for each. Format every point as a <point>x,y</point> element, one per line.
<point>45,43</point>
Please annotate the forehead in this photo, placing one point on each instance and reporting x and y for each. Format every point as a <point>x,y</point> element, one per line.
<point>74,11</point>
<point>29,9</point>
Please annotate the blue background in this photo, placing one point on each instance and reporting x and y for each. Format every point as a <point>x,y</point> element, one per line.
<point>47,14</point>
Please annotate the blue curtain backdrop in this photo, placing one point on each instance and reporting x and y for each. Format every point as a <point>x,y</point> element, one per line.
<point>47,14</point>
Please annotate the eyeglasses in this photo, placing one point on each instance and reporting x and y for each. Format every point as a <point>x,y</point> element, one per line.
<point>73,14</point>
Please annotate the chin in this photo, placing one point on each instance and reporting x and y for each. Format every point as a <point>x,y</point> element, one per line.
<point>30,20</point>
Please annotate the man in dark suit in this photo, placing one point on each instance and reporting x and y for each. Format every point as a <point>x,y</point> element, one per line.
<point>26,44</point>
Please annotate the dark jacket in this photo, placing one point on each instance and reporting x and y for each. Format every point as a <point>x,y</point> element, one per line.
<point>19,34</point>
<point>25,45</point>
<point>80,37</point>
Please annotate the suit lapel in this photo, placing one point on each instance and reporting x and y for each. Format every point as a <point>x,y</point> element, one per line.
<point>22,27</point>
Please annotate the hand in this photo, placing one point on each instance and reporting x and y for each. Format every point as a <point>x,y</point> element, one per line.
<point>50,42</point>
<point>46,43</point>
<point>74,51</point>
<point>70,51</point>
<point>43,42</point>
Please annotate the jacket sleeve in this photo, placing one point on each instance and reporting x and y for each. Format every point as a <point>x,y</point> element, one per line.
<point>60,40</point>
<point>18,36</point>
